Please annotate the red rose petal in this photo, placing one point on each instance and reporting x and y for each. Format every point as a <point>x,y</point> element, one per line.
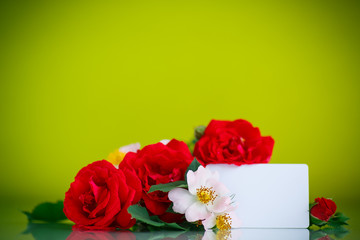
<point>98,194</point>
<point>236,142</point>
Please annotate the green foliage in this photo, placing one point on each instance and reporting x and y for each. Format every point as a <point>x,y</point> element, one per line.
<point>47,212</point>
<point>46,231</point>
<point>141,215</point>
<point>167,186</point>
<point>338,219</point>
<point>338,233</point>
<point>316,221</point>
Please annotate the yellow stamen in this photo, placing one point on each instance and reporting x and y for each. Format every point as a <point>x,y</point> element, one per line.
<point>206,195</point>
<point>223,222</point>
<point>223,235</point>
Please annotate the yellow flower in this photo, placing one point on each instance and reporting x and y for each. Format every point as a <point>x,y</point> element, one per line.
<point>118,155</point>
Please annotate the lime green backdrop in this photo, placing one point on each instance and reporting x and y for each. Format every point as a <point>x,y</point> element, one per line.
<point>82,78</point>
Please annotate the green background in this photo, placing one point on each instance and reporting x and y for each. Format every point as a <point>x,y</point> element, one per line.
<point>82,78</point>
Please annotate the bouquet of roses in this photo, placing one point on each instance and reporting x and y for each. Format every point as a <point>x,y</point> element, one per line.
<point>163,185</point>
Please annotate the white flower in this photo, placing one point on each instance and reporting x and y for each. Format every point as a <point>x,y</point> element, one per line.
<point>165,141</point>
<point>223,221</point>
<point>130,148</point>
<point>219,235</point>
<point>206,196</point>
<point>209,235</point>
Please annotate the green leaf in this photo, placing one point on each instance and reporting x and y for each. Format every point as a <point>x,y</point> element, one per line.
<point>141,214</point>
<point>47,212</point>
<point>168,186</point>
<point>338,219</point>
<point>316,221</point>
<point>174,226</point>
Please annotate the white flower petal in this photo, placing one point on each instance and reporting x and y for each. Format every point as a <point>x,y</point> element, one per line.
<point>213,175</point>
<point>217,186</point>
<point>236,223</point>
<point>209,222</point>
<point>182,199</point>
<point>130,148</point>
<point>191,179</point>
<point>220,205</point>
<point>209,235</point>
<point>165,141</point>
<point>198,179</point>
<point>197,211</point>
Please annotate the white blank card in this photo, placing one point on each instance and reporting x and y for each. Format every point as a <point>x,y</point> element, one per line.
<point>268,195</point>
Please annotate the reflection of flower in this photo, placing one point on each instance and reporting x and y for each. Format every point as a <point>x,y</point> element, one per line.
<point>327,237</point>
<point>324,209</point>
<point>101,235</point>
<point>118,155</point>
<point>209,235</point>
<point>206,195</point>
<point>219,235</point>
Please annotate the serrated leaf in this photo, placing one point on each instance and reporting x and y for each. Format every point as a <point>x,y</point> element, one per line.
<point>168,186</point>
<point>47,212</point>
<point>141,214</point>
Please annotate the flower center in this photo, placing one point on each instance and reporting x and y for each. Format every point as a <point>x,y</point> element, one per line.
<point>206,195</point>
<point>223,222</point>
<point>223,235</point>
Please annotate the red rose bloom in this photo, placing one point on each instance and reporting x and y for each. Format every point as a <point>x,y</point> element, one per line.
<point>159,164</point>
<point>236,142</point>
<point>100,195</point>
<point>324,209</point>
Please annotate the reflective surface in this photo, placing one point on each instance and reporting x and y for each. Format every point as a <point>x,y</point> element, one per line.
<point>14,225</point>
<point>63,231</point>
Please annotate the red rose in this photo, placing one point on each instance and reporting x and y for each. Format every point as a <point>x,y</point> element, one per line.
<point>236,142</point>
<point>101,235</point>
<point>324,209</point>
<point>159,164</point>
<point>100,195</point>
